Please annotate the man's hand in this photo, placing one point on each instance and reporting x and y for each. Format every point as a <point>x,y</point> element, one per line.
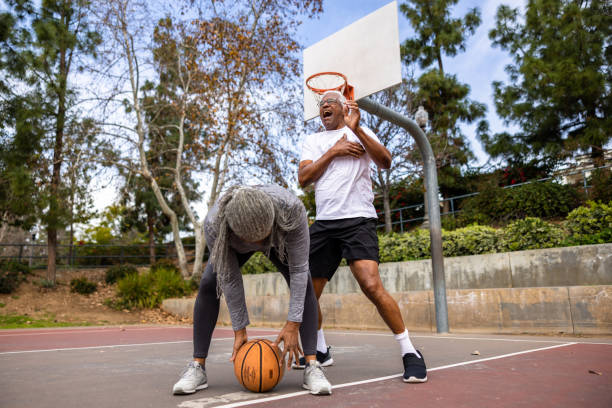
<point>289,336</point>
<point>345,148</point>
<point>240,337</point>
<point>352,115</point>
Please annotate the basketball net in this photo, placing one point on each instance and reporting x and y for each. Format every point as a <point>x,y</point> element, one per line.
<point>329,81</point>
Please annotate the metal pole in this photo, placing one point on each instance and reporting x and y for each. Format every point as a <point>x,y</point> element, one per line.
<point>433,203</point>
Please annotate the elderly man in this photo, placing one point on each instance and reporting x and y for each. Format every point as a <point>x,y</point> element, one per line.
<point>337,161</point>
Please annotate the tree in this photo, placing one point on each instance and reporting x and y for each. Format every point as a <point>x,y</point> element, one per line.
<point>442,95</point>
<point>220,70</point>
<point>45,39</point>
<point>559,82</point>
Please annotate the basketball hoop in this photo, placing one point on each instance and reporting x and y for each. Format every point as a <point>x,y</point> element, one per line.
<point>322,82</point>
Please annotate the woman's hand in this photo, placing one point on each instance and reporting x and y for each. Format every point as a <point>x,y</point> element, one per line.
<point>240,337</point>
<point>289,336</point>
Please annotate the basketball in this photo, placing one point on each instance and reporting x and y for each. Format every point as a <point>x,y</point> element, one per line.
<point>258,365</point>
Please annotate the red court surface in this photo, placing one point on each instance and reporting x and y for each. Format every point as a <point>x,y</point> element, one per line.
<point>136,366</point>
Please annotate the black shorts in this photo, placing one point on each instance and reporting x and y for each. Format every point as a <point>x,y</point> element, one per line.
<point>349,238</point>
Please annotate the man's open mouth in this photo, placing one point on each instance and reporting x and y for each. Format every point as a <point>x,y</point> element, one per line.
<point>327,113</point>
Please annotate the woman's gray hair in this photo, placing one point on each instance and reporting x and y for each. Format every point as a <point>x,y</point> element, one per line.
<point>252,215</point>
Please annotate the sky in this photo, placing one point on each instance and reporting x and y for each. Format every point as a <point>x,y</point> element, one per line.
<point>478,67</point>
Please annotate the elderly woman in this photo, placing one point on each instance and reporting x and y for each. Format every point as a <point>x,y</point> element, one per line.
<point>244,220</point>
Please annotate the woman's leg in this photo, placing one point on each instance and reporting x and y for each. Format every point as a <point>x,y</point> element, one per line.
<point>310,318</point>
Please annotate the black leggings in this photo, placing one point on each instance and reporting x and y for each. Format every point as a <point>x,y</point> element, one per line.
<point>206,310</point>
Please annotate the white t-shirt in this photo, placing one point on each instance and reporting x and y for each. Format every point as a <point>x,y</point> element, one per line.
<point>345,189</point>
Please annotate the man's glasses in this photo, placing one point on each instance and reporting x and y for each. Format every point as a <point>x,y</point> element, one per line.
<point>330,100</point>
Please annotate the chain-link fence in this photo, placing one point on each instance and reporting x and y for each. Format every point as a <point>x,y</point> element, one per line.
<point>92,256</point>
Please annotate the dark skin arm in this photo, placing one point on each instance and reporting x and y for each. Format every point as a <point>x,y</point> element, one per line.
<point>289,337</point>
<point>310,171</point>
<point>379,153</point>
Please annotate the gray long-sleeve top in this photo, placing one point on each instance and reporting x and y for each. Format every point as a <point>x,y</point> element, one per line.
<point>297,245</point>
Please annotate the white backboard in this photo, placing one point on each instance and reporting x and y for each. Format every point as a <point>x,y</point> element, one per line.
<point>367,52</point>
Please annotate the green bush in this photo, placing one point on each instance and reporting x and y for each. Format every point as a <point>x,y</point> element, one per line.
<point>150,289</point>
<point>500,205</point>
<point>83,286</point>
<point>12,273</point>
<point>471,240</point>
<point>258,263</point>
<point>531,233</point>
<point>601,185</point>
<point>115,273</point>
<point>164,264</point>
<point>396,247</point>
<point>591,224</point>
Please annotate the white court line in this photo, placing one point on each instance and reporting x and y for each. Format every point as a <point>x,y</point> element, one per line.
<point>296,394</point>
<point>114,329</point>
<point>108,346</point>
<point>118,345</point>
<point>442,337</point>
<point>107,330</point>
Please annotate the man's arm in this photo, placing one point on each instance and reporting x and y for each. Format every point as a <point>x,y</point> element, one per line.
<point>379,153</point>
<point>309,171</point>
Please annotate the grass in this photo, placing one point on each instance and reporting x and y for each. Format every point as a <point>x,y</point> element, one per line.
<point>20,322</point>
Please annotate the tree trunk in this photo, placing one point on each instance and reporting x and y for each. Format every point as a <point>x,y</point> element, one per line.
<point>151,231</point>
<point>597,155</point>
<point>51,254</point>
<point>387,208</point>
<point>54,210</point>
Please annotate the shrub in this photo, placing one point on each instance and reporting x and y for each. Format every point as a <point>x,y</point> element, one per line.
<point>396,247</point>
<point>258,263</point>
<point>471,240</point>
<point>164,264</point>
<point>543,200</point>
<point>115,273</point>
<point>150,289</point>
<point>591,224</point>
<point>46,283</point>
<point>531,233</point>
<point>601,185</point>
<point>12,273</point>
<point>82,285</point>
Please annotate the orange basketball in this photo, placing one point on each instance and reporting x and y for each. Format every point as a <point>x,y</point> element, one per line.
<point>258,365</point>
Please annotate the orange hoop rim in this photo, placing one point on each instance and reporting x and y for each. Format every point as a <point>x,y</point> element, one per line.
<point>323,90</point>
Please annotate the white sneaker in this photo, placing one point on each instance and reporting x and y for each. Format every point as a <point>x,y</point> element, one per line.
<point>192,379</point>
<point>315,380</point>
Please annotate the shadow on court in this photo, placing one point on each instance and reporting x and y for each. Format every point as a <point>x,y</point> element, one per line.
<point>137,366</point>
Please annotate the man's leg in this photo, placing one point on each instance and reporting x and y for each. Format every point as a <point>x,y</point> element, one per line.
<point>367,275</point>
<point>319,285</point>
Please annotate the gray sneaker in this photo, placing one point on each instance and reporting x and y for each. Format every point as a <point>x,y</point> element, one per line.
<point>192,379</point>
<point>315,380</point>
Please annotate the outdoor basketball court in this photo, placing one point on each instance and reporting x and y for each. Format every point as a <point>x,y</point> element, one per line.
<point>137,366</point>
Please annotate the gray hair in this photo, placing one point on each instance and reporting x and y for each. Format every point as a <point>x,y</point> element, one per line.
<point>338,94</point>
<point>252,215</point>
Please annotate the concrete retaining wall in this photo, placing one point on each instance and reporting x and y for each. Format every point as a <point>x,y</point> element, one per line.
<point>572,310</point>
<point>571,266</point>
<point>560,290</point>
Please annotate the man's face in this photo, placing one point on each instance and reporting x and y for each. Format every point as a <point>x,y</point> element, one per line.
<point>331,112</point>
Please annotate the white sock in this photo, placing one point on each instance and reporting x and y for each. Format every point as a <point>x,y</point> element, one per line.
<point>321,344</point>
<point>405,343</point>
